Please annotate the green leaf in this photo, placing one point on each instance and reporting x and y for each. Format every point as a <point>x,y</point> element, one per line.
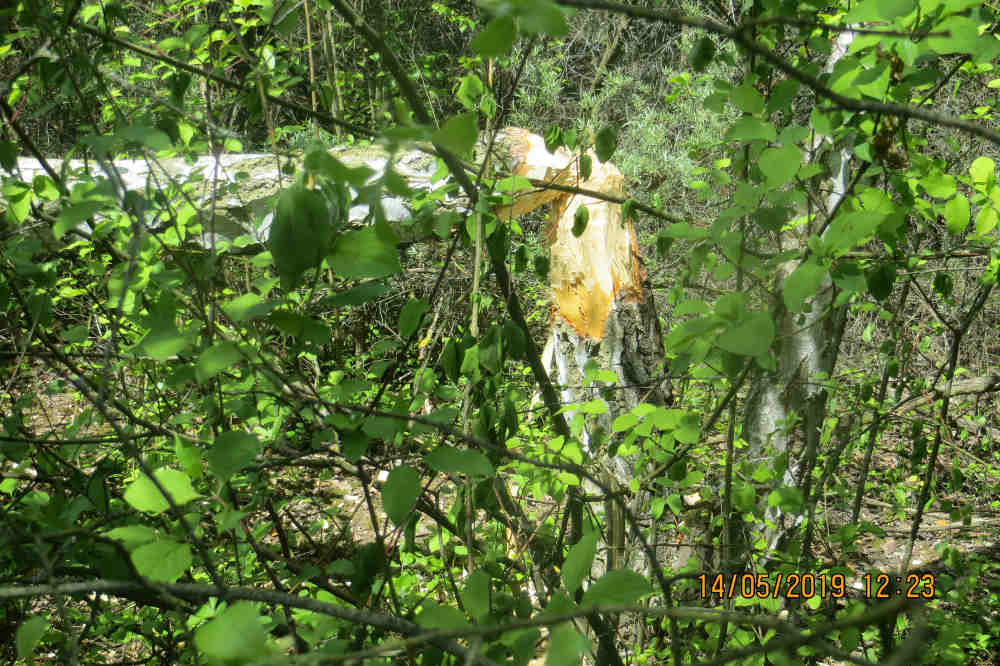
<point>470,363</point>
<point>880,10</point>
<point>570,138</point>
<point>71,216</point>
<point>749,128</point>
<point>490,350</point>
<point>476,597</point>
<point>150,137</point>
<point>458,134</point>
<point>163,342</point>
<point>944,284</point>
<point>321,162</point>
<point>982,170</point>
<point>142,495</point>
<point>496,39</point>
<point>566,646</point>
<point>400,492</point>
<point>852,229</point>
<point>28,635</point>
<point>409,316</point>
<point>470,91</point>
<point>957,214</point>
<point>579,561</point>
<point>185,131</point>
<point>382,427</point>
<point>163,560</point>
<point>624,422</point>
<point>873,82</point>
<point>215,359</point>
<point>513,183</point>
<point>787,498</point>
<point>938,184</point>
<point>782,95</point>
<point>771,218</point>
<point>744,497</point>
<point>356,445</point>
<point>300,234</point>
<point>752,337</point>
<point>963,38</point>
<point>986,220</point>
<point>290,323</point>
<point>450,360</point>
<point>8,155</point>
<point>880,280</point>
<point>605,143</point>
<point>232,451</point>
<point>132,536</point>
<point>803,284</point>
<point>235,634</point>
<point>665,419</point>
<point>597,406</point>
<point>363,293</point>
<point>580,219</point>
<point>731,307</point>
<point>586,167</point>
<point>553,138</point>
<point>449,460</point>
<point>542,17</point>
<point>514,340</point>
<point>701,54</point>
<point>541,265</point>
<point>747,99</point>
<point>621,586</point>
<point>848,276</point>
<point>780,165</point>
<point>18,196</point>
<point>365,253</point>
<point>248,306</point>
<point>435,616</point>
<point>189,456</point>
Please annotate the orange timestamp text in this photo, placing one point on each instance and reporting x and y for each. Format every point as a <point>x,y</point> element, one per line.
<point>908,585</point>
<point>773,586</point>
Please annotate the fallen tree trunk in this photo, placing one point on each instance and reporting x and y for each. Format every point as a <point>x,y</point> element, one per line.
<point>240,188</point>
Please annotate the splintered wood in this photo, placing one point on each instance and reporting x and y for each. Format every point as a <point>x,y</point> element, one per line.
<point>586,272</point>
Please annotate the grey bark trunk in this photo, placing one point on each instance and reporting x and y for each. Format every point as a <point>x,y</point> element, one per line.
<point>808,348</point>
<point>632,348</point>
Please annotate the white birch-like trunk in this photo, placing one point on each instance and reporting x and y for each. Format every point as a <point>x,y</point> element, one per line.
<point>805,351</point>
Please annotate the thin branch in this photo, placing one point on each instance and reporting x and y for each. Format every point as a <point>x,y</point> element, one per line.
<point>603,196</point>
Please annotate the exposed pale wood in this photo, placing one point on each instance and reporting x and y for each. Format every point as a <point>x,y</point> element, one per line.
<point>587,272</point>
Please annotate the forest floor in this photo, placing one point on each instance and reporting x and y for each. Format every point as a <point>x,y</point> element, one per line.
<point>310,498</point>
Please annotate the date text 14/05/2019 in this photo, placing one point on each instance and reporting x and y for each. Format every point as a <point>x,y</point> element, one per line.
<point>808,585</point>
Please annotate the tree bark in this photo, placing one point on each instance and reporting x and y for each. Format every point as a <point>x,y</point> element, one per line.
<point>604,316</point>
<point>808,346</point>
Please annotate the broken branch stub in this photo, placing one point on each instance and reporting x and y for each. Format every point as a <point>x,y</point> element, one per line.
<point>587,271</point>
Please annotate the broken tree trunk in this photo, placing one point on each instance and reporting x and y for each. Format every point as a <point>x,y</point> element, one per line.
<point>604,315</point>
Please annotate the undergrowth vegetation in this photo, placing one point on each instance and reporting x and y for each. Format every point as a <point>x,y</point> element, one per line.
<point>329,437</point>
